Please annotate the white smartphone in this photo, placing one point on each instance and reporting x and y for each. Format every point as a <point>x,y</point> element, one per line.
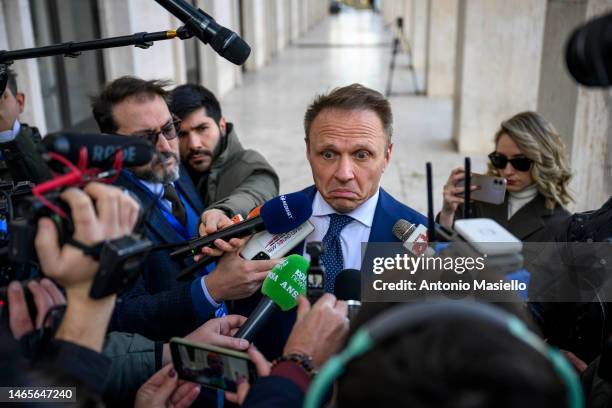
<point>491,189</point>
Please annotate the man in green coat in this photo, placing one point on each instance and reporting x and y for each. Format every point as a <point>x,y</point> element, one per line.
<point>230,179</point>
<point>20,159</point>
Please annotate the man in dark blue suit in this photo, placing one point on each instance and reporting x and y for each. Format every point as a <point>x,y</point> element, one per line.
<point>158,306</point>
<point>348,145</point>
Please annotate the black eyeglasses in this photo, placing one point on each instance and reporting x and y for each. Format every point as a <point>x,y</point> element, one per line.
<point>169,130</point>
<point>500,161</point>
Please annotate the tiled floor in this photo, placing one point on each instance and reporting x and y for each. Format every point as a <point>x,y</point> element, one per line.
<point>351,47</point>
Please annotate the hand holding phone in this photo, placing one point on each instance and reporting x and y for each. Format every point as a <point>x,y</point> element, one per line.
<point>211,366</point>
<point>453,196</point>
<point>489,189</point>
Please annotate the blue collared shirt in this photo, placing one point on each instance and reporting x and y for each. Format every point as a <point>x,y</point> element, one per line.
<point>9,135</point>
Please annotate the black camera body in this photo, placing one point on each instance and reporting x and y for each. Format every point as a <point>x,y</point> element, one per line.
<point>22,229</point>
<point>11,198</point>
<point>316,272</point>
<point>120,265</point>
<point>120,260</point>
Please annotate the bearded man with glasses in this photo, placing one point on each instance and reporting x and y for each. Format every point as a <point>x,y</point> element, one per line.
<point>158,306</point>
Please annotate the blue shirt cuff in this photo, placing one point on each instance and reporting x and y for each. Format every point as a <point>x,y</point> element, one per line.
<point>10,135</point>
<point>203,304</point>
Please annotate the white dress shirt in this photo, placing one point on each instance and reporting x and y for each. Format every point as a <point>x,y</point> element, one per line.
<point>351,236</point>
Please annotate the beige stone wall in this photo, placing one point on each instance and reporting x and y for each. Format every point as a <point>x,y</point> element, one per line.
<point>498,67</point>
<point>442,47</point>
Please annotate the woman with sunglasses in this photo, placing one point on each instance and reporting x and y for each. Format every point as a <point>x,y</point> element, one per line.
<point>531,156</point>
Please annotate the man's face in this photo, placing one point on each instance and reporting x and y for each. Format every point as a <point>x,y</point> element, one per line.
<point>142,114</point>
<point>10,108</point>
<point>347,154</point>
<point>199,135</point>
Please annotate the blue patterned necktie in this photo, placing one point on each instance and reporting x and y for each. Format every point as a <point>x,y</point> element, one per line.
<point>332,258</point>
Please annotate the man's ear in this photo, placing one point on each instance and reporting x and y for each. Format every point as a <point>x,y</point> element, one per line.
<point>388,155</point>
<point>223,126</point>
<point>20,97</point>
<point>307,147</point>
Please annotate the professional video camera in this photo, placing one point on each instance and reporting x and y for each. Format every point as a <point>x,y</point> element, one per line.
<point>78,159</point>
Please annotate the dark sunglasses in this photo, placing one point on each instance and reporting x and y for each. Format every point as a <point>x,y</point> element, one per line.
<point>500,161</point>
<point>169,130</point>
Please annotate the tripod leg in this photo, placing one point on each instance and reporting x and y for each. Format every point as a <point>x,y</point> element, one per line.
<point>408,50</point>
<point>392,66</point>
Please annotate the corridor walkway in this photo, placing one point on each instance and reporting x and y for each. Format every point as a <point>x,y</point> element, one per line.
<point>351,47</point>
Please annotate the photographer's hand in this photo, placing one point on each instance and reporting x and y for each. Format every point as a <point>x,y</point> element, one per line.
<point>319,330</point>
<point>263,367</point>
<point>164,389</point>
<point>234,277</point>
<point>218,332</point>
<point>212,221</point>
<point>86,319</point>
<point>45,294</point>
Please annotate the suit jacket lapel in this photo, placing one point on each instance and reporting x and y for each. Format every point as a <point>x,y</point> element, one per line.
<point>189,191</point>
<point>300,248</point>
<point>154,219</point>
<point>382,223</point>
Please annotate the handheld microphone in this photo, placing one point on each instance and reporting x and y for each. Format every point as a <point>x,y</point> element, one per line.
<point>101,148</point>
<point>224,41</point>
<point>414,237</point>
<point>348,288</point>
<point>264,245</point>
<point>282,286</point>
<point>278,215</point>
<point>348,285</point>
<point>260,246</point>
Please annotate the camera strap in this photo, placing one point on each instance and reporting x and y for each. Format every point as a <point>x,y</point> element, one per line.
<point>93,251</point>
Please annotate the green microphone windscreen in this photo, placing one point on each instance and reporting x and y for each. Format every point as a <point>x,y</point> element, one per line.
<point>286,281</point>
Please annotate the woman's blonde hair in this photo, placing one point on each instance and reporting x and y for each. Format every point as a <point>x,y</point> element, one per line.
<point>539,141</point>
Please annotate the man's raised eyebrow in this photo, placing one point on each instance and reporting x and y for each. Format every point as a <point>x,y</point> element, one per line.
<point>361,146</point>
<point>358,146</point>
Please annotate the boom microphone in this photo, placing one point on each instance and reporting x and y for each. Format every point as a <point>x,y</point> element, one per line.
<point>282,286</point>
<point>278,215</point>
<point>101,148</point>
<point>224,41</point>
<point>414,237</point>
